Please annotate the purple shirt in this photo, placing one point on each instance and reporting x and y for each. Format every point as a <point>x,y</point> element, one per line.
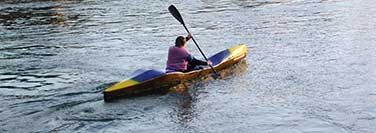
<point>177,59</point>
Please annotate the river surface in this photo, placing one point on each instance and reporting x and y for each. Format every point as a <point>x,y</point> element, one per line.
<point>311,65</point>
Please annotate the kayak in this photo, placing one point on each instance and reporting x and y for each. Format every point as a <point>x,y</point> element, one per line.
<point>147,81</point>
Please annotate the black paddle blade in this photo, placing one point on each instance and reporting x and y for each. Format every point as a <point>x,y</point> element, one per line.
<point>176,14</point>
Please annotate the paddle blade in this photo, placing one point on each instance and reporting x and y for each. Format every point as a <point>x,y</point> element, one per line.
<point>176,14</point>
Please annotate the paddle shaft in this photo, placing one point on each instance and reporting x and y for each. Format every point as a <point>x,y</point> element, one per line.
<point>202,53</point>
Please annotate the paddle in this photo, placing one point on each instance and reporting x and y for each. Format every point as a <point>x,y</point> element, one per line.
<point>177,15</point>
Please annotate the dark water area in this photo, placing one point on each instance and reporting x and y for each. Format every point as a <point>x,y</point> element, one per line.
<point>310,65</point>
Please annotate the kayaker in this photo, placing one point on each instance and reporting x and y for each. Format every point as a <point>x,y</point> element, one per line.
<point>179,58</point>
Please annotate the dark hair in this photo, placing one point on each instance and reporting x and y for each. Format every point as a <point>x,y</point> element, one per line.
<point>180,41</point>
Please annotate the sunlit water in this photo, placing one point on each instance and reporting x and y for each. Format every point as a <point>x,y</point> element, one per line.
<point>310,68</point>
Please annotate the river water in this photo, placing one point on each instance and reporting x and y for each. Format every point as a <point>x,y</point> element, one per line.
<point>310,65</point>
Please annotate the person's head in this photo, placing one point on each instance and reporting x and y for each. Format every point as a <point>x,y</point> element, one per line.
<point>180,41</point>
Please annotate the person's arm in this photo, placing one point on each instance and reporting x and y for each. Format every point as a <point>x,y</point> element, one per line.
<point>193,60</point>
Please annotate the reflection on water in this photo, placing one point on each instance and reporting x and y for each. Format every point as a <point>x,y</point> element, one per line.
<point>32,16</point>
<point>33,28</point>
<point>188,91</point>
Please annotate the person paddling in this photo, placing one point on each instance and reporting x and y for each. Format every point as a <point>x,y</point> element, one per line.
<point>179,59</point>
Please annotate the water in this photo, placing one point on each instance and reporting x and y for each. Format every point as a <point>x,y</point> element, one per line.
<point>310,68</point>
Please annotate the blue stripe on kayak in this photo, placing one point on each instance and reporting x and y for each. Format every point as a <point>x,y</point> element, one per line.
<point>138,72</point>
<point>146,75</point>
<point>219,57</point>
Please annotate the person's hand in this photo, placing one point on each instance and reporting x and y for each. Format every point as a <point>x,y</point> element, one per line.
<point>189,36</point>
<point>209,62</point>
